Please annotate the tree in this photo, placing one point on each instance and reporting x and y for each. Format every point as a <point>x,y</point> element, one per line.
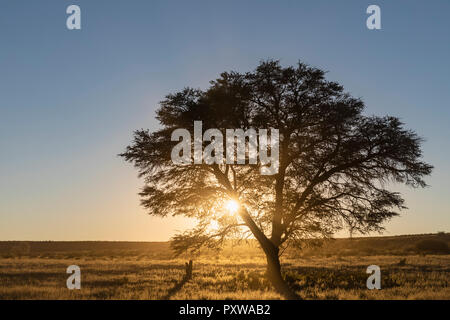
<point>334,163</point>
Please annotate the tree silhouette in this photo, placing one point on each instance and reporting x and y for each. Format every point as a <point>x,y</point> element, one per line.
<point>334,163</point>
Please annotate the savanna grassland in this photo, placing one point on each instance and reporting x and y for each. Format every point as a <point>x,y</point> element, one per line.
<point>412,267</point>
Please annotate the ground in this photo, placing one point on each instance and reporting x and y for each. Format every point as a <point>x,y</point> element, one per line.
<point>232,274</point>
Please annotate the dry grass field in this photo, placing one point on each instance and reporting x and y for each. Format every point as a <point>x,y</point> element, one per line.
<point>121,270</point>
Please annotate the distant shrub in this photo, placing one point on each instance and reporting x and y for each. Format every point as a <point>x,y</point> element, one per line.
<point>432,246</point>
<point>443,235</point>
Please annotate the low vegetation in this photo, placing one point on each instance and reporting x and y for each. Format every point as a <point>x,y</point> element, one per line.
<point>126,270</point>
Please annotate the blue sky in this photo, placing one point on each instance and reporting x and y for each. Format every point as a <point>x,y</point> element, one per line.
<point>69,100</point>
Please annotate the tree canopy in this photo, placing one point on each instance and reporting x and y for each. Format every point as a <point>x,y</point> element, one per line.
<point>335,163</point>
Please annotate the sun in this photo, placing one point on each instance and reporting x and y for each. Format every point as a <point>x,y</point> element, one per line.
<point>232,206</point>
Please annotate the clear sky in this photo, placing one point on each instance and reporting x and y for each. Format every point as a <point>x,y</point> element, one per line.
<point>69,100</point>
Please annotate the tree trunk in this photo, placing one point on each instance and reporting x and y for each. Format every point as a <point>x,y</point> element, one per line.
<point>275,277</point>
<point>273,261</point>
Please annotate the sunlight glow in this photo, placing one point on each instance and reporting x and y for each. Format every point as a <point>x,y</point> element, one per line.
<point>232,206</point>
<point>214,225</point>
